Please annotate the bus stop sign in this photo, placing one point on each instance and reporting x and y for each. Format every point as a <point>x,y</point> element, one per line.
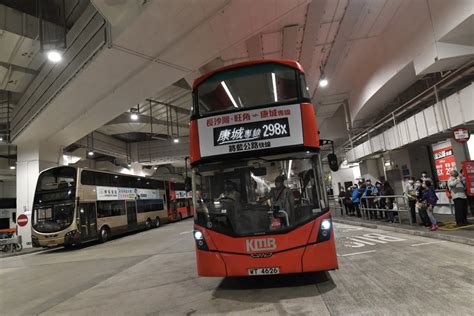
<point>22,220</point>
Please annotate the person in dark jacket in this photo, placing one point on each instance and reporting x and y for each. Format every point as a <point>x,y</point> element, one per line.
<point>388,191</point>
<point>425,220</point>
<point>368,194</point>
<point>380,201</point>
<point>430,199</point>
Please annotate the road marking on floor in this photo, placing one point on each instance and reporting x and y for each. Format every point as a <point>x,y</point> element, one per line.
<point>186,232</point>
<point>428,243</point>
<point>356,253</point>
<point>370,239</point>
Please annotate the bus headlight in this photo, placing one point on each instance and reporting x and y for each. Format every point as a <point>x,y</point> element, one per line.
<point>198,235</point>
<point>325,229</point>
<point>200,241</point>
<point>326,224</point>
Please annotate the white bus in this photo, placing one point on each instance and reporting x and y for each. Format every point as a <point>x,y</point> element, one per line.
<point>75,205</point>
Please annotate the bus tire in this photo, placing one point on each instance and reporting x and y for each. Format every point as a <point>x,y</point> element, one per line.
<point>157,222</point>
<point>148,224</point>
<point>104,234</point>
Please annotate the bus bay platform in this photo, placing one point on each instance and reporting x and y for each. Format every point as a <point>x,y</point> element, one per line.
<point>154,273</point>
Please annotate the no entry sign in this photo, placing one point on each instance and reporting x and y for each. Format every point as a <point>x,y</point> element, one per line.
<point>22,220</point>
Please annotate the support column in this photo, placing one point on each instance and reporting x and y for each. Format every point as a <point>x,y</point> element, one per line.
<point>32,158</point>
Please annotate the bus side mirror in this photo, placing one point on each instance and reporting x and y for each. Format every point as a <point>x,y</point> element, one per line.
<point>188,184</point>
<point>333,164</point>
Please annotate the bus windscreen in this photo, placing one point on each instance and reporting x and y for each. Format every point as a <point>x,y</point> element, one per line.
<point>246,87</point>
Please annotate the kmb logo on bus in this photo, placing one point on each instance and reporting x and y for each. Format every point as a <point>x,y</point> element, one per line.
<point>260,244</point>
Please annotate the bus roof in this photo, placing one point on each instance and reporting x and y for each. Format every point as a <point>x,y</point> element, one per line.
<point>287,62</point>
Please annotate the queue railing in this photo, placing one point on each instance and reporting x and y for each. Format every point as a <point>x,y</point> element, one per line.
<point>399,204</point>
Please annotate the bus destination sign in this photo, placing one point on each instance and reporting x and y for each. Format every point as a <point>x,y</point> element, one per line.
<point>251,130</point>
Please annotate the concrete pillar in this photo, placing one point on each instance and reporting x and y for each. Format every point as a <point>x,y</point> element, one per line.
<point>32,158</point>
<point>369,169</point>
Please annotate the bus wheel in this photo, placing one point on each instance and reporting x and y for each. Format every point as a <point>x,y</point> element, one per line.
<point>148,224</point>
<point>104,234</point>
<point>158,222</point>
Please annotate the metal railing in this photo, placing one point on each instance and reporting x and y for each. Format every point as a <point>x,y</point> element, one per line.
<point>400,206</point>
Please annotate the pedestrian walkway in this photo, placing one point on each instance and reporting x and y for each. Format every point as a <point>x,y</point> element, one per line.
<point>24,251</point>
<point>447,227</point>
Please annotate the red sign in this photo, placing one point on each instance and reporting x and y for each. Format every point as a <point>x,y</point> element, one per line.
<point>22,220</point>
<point>444,162</point>
<point>461,135</point>
<point>468,173</point>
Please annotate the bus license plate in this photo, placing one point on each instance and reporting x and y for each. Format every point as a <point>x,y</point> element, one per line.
<point>263,271</point>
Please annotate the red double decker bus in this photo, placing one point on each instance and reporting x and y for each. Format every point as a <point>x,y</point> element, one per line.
<point>259,201</point>
<point>179,202</point>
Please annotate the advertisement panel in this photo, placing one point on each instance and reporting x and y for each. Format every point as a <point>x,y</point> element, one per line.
<point>113,193</point>
<point>251,130</point>
<point>468,173</point>
<point>444,162</point>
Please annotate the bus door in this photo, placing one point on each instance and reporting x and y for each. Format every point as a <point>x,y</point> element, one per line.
<point>131,214</point>
<point>88,221</point>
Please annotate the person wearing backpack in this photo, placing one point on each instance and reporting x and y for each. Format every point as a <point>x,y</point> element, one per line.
<point>429,199</point>
<point>425,220</point>
<point>458,194</point>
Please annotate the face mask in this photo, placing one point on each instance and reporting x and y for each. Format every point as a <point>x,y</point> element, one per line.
<point>423,175</point>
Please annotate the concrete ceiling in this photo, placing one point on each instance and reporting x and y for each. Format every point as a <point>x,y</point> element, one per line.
<point>370,50</point>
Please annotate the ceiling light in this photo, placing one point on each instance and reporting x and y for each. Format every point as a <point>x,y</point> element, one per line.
<point>134,116</point>
<point>12,167</point>
<point>1,139</point>
<point>129,165</point>
<point>90,153</point>
<point>54,56</point>
<point>176,140</point>
<point>323,82</point>
<point>155,168</point>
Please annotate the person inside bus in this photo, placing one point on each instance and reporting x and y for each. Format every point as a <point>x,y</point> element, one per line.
<point>281,198</point>
<point>230,192</point>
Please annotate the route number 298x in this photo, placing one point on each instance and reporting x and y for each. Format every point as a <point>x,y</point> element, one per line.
<point>275,129</point>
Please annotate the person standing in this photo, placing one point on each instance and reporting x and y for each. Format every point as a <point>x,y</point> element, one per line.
<point>388,191</point>
<point>356,199</point>
<point>410,192</point>
<point>348,202</point>
<point>458,193</point>
<point>342,201</point>
<point>430,199</point>
<point>424,177</point>
<point>368,194</point>
<point>425,220</point>
<point>380,201</point>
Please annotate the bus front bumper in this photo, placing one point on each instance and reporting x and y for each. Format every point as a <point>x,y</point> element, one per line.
<point>309,258</point>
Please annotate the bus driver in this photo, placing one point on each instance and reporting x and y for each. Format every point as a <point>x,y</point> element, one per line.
<point>282,198</point>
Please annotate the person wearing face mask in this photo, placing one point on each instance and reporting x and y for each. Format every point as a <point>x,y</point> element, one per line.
<point>458,193</point>
<point>282,198</point>
<point>425,220</point>
<point>424,177</point>
<point>370,190</point>
<point>410,192</point>
<point>429,199</point>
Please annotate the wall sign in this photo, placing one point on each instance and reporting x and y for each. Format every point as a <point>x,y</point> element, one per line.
<point>461,135</point>
<point>444,162</point>
<point>251,130</point>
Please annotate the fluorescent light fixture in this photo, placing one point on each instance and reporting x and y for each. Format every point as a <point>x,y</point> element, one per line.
<point>129,165</point>
<point>54,56</point>
<point>289,169</point>
<point>229,94</point>
<point>275,97</point>
<point>323,82</point>
<point>155,168</point>
<point>387,163</point>
<point>134,116</point>
<point>90,153</point>
<point>176,140</point>
<point>12,167</point>
<point>1,139</point>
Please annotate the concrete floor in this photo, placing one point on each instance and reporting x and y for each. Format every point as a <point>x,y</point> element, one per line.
<point>153,272</point>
